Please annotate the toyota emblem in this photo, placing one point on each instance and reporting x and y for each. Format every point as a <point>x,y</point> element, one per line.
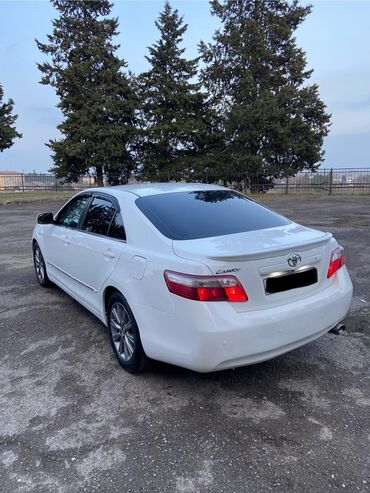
<point>294,259</point>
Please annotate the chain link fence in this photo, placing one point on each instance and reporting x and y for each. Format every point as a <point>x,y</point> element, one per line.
<point>327,181</point>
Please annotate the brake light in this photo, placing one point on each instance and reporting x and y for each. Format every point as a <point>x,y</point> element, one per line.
<point>337,260</point>
<point>205,288</point>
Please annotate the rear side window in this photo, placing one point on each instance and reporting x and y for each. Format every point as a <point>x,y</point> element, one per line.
<point>70,215</point>
<point>99,216</point>
<point>116,229</point>
<point>203,214</point>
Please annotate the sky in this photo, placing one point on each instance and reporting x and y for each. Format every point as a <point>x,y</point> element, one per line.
<point>335,37</point>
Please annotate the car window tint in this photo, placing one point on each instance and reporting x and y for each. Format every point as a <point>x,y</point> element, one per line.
<point>70,215</point>
<point>99,216</point>
<point>207,213</point>
<point>116,229</point>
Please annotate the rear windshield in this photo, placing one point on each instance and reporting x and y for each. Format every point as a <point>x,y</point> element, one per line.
<point>192,215</point>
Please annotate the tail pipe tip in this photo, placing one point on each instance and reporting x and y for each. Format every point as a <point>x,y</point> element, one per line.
<point>338,329</point>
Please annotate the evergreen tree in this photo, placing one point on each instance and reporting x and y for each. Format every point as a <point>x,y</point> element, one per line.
<point>8,131</point>
<point>96,96</point>
<point>173,117</point>
<point>272,121</point>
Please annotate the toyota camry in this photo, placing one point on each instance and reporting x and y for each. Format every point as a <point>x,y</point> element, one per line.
<point>195,275</point>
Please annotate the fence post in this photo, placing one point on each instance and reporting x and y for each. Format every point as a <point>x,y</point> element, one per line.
<point>22,182</point>
<point>287,184</point>
<point>331,181</point>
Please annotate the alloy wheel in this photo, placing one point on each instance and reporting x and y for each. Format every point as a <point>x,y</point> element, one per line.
<point>39,265</point>
<point>122,331</point>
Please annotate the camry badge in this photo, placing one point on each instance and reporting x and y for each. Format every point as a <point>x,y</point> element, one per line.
<point>227,271</point>
<point>294,259</point>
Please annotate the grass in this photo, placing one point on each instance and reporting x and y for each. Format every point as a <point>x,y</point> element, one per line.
<point>9,197</point>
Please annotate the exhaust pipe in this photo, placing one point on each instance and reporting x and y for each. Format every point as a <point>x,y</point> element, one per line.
<point>338,329</point>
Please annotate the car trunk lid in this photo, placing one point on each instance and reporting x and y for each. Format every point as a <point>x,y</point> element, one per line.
<point>255,257</point>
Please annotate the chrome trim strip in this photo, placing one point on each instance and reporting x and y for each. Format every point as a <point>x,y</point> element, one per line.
<point>69,275</point>
<point>284,273</point>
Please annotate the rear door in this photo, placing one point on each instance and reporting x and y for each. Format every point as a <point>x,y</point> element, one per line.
<point>96,248</point>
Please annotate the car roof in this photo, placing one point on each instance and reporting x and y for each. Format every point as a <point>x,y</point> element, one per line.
<point>143,189</point>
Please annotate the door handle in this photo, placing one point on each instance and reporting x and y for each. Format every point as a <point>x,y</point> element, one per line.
<point>109,254</point>
<point>67,240</point>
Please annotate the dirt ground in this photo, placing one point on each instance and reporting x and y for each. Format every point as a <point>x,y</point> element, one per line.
<point>72,420</point>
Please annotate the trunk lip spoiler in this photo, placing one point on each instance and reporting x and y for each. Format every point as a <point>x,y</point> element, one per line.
<point>274,251</point>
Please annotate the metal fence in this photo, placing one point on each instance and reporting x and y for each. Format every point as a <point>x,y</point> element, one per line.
<point>14,181</point>
<point>328,181</point>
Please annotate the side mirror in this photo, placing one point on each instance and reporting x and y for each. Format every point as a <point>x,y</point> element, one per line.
<point>45,218</point>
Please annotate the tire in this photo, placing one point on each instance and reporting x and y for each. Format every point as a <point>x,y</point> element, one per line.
<point>125,336</point>
<point>40,267</point>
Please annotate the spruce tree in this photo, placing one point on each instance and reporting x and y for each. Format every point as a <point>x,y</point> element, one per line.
<point>173,116</point>
<point>96,96</point>
<point>271,119</point>
<point>8,131</point>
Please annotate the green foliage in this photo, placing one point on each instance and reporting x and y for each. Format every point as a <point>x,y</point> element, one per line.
<point>96,96</point>
<point>173,117</point>
<point>8,131</point>
<point>259,119</point>
<point>271,121</point>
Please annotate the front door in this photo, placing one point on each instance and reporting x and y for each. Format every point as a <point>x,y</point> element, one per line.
<point>59,240</point>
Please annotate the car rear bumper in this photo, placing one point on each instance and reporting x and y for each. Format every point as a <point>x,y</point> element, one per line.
<point>211,336</point>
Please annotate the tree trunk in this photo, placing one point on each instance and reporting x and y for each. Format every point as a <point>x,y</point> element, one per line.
<point>99,176</point>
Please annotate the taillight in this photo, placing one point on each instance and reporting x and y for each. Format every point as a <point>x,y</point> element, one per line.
<point>205,288</point>
<point>337,259</point>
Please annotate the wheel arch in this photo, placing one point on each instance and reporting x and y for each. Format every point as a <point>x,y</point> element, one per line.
<point>39,242</point>
<point>107,293</point>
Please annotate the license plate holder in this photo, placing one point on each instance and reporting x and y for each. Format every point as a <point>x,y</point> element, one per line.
<point>291,280</point>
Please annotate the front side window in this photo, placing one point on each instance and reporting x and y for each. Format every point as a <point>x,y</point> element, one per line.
<point>99,216</point>
<point>72,212</point>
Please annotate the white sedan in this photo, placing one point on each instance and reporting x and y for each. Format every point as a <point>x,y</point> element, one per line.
<point>191,274</point>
